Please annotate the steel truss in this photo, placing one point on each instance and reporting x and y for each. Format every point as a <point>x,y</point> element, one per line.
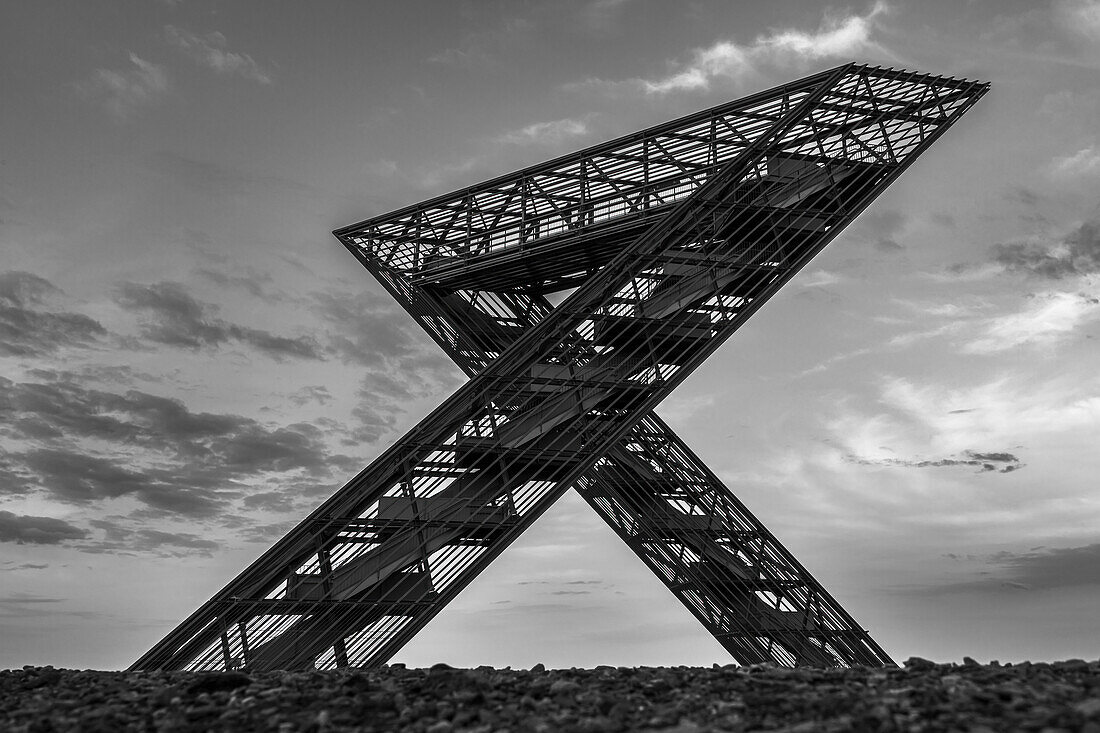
<point>672,237</point>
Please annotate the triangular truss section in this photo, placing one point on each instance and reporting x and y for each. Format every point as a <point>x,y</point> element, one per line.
<point>672,237</point>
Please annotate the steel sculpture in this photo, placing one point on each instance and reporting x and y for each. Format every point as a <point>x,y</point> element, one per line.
<point>672,237</point>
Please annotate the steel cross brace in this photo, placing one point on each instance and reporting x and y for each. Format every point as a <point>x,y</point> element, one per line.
<point>563,397</point>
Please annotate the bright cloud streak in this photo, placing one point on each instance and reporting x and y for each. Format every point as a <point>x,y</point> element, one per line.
<point>1081,16</point>
<point>819,279</point>
<point>1047,318</point>
<point>553,131</point>
<point>210,51</point>
<point>988,416</point>
<point>122,93</point>
<point>837,36</point>
<point>1085,162</point>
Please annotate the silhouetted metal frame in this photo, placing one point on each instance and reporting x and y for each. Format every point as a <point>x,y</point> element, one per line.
<point>239,601</point>
<point>852,625</point>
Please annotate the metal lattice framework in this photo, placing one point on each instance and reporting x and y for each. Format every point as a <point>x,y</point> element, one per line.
<point>672,237</point>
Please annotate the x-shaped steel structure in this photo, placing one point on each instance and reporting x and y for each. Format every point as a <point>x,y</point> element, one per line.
<point>670,238</point>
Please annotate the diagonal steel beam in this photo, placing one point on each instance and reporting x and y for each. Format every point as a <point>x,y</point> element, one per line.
<point>562,397</point>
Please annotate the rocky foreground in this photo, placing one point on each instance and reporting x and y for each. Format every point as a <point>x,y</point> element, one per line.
<point>921,696</point>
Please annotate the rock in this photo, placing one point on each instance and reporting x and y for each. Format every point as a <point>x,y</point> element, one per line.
<point>1089,708</point>
<point>218,682</point>
<point>43,677</point>
<point>441,668</point>
<point>564,687</point>
<point>1073,665</point>
<point>973,696</point>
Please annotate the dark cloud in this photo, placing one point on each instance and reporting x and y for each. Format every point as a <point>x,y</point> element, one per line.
<point>265,533</point>
<point>159,452</point>
<point>367,329</point>
<point>384,395</point>
<point>27,529</point>
<point>994,457</point>
<point>254,448</point>
<point>1077,254</point>
<point>882,227</point>
<point>272,501</point>
<point>175,318</point>
<point>115,537</point>
<point>255,284</point>
<point>1051,568</point>
<point>1037,569</point>
<point>154,539</point>
<point>370,330</point>
<point>24,598</point>
<point>999,462</point>
<point>372,423</point>
<point>312,393</point>
<point>29,328</point>
<point>78,478</point>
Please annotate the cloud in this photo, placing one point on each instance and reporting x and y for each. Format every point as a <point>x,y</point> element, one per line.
<point>366,329</point>
<point>546,133</point>
<point>837,36</point>
<point>175,318</point>
<point>210,51</point>
<point>26,529</point>
<point>27,328</point>
<point>469,53</point>
<point>935,419</point>
<point>819,279</point>
<point>85,446</point>
<point>999,462</point>
<point>155,538</point>
<point>1046,319</point>
<point>1051,568</point>
<point>254,283</point>
<point>74,477</point>
<point>1049,316</point>
<point>883,227</point>
<point>311,393</point>
<point>117,538</point>
<point>384,397</point>
<point>123,93</point>
<point>10,567</point>
<point>1085,162</point>
<point>1081,17</point>
<point>1037,569</point>
<point>266,533</point>
<point>724,58</point>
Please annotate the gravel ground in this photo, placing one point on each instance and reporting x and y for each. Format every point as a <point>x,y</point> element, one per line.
<point>921,696</point>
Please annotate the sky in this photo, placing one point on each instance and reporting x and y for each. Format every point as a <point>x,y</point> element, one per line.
<point>190,361</point>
